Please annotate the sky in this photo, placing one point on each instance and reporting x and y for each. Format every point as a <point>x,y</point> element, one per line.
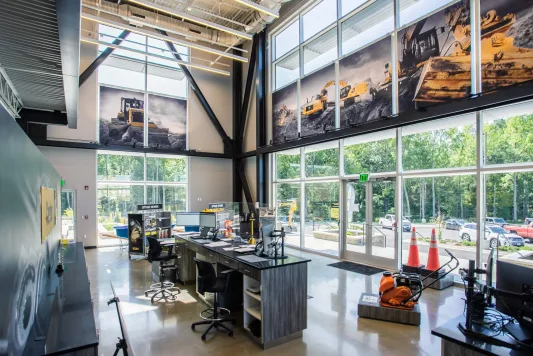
<point>366,63</point>
<point>285,96</point>
<point>168,113</point>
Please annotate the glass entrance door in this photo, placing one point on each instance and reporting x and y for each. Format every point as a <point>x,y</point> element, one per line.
<point>68,214</point>
<point>370,222</point>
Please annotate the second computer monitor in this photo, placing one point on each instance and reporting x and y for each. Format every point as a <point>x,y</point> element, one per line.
<point>208,220</point>
<point>188,219</point>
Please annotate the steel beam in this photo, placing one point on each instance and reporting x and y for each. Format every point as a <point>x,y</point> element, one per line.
<point>261,122</point>
<point>228,142</point>
<point>504,96</point>
<point>43,117</point>
<point>247,90</point>
<point>102,57</point>
<point>140,149</point>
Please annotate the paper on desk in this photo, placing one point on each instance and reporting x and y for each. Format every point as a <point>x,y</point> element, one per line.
<point>226,239</point>
<point>252,258</point>
<point>218,244</point>
<point>245,249</point>
<point>229,248</point>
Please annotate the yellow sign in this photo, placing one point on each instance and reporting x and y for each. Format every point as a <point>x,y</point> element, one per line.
<point>334,211</point>
<point>48,212</point>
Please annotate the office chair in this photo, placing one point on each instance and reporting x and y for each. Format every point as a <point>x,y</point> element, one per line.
<point>162,290</point>
<point>209,282</point>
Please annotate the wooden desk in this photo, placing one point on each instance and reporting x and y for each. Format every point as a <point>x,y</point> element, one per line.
<point>282,305</point>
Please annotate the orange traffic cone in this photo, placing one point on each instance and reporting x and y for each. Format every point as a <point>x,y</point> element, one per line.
<point>413,262</point>
<point>414,259</point>
<point>433,256</point>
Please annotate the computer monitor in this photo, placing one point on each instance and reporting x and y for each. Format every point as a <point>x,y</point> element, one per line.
<point>513,277</point>
<point>208,220</point>
<point>266,230</point>
<point>188,219</point>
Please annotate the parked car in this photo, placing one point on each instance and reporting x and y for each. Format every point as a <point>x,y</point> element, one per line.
<point>525,231</point>
<point>496,221</point>
<point>528,221</point>
<point>494,236</point>
<point>454,224</point>
<point>389,221</point>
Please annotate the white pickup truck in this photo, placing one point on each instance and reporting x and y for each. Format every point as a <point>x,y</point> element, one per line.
<point>389,221</point>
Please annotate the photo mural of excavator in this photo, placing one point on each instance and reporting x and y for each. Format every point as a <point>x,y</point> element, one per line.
<point>506,43</point>
<point>365,84</point>
<point>285,114</point>
<point>317,101</point>
<point>434,59</point>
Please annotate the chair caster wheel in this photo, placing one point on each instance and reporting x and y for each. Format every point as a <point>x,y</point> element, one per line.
<point>230,333</point>
<point>192,327</point>
<point>203,337</point>
<point>146,294</point>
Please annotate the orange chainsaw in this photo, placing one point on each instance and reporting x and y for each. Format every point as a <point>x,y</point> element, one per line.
<point>403,290</point>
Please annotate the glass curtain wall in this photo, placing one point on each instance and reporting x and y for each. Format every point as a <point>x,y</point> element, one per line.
<point>445,188</point>
<point>125,180</point>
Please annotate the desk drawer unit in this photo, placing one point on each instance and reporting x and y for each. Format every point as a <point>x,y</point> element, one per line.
<point>250,271</point>
<point>211,256</point>
<point>228,262</point>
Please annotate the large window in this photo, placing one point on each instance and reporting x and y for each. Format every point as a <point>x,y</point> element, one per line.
<point>322,160</point>
<point>319,17</point>
<point>439,177</point>
<point>372,153</point>
<point>126,180</point>
<point>447,143</point>
<point>507,131</point>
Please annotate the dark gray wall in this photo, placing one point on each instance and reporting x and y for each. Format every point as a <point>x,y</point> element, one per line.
<point>25,263</point>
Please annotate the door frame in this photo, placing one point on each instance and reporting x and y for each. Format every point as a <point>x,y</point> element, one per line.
<point>74,208</point>
<point>367,258</point>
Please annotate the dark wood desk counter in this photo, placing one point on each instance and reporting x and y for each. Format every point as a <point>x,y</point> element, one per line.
<point>281,306</point>
<point>70,327</point>
<point>454,342</point>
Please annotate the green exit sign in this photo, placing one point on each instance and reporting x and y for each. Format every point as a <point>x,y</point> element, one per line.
<point>363,178</point>
<point>62,182</point>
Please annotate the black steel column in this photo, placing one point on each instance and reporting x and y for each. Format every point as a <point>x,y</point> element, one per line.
<point>261,127</point>
<point>228,142</point>
<point>237,96</point>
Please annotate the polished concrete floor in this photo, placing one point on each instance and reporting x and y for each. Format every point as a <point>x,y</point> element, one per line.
<point>333,325</point>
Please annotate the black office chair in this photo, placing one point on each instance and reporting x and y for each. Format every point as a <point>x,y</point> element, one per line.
<point>162,290</point>
<point>209,282</point>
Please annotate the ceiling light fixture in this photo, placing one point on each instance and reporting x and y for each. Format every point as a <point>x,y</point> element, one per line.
<point>161,37</point>
<point>188,64</point>
<point>258,7</point>
<point>191,18</point>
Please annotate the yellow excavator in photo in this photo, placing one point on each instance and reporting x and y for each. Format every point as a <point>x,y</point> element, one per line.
<point>293,206</point>
<point>318,103</point>
<point>283,115</point>
<point>348,94</point>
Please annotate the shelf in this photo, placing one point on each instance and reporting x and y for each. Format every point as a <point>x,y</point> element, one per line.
<point>256,339</point>
<point>255,296</point>
<point>254,311</point>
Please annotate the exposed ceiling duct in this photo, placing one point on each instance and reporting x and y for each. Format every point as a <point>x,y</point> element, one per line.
<point>40,54</point>
<point>233,16</point>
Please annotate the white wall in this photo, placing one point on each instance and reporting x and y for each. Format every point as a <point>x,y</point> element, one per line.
<point>210,180</point>
<point>78,169</point>
<point>218,91</point>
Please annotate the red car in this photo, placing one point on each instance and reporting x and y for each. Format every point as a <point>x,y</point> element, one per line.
<point>526,231</point>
